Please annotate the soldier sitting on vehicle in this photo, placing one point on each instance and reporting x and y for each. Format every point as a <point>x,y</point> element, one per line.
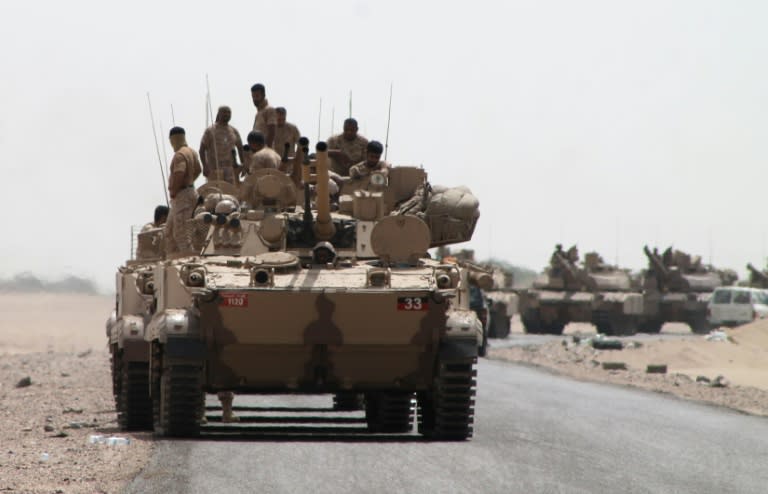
<point>372,163</point>
<point>161,216</point>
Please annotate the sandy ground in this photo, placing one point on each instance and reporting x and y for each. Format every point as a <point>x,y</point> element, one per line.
<point>741,360</point>
<point>59,342</point>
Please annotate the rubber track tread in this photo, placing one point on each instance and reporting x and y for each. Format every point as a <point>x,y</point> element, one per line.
<point>389,411</point>
<point>446,412</point>
<point>135,404</point>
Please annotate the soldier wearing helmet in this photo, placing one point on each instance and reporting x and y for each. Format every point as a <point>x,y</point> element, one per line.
<point>372,162</point>
<point>184,169</point>
<point>347,148</point>
<point>217,148</point>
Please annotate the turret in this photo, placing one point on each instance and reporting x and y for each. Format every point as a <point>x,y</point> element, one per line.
<point>757,278</point>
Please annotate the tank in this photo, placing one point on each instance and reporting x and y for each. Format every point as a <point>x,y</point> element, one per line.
<point>502,303</point>
<point>677,288</point>
<point>590,292</point>
<point>129,352</point>
<point>757,278</point>
<point>295,293</point>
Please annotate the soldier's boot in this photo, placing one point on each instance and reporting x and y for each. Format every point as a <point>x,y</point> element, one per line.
<point>227,415</point>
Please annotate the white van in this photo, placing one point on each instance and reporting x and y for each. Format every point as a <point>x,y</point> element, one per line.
<point>732,305</point>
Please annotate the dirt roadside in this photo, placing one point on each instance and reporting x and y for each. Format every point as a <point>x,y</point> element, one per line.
<point>730,372</point>
<point>58,343</point>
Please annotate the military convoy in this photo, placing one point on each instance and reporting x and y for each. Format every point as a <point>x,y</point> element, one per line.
<point>290,293</point>
<point>674,288</point>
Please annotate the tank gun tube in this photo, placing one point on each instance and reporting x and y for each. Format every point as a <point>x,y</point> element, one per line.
<point>656,263</point>
<point>324,229</point>
<point>756,274</point>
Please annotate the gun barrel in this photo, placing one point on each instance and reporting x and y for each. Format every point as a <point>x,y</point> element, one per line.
<point>324,228</point>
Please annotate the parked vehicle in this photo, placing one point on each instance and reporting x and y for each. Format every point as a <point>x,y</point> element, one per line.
<point>733,306</point>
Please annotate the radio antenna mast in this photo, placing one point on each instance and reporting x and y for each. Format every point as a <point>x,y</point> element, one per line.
<point>157,148</point>
<point>319,117</point>
<point>350,104</point>
<point>389,115</point>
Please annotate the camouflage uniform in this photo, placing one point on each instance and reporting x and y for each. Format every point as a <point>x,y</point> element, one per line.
<point>361,170</point>
<point>263,158</point>
<point>265,115</point>
<point>354,149</point>
<point>288,133</point>
<point>183,205</point>
<point>217,143</point>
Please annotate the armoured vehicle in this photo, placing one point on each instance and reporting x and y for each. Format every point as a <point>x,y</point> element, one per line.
<point>310,298</point>
<point>129,352</point>
<point>502,304</point>
<point>592,292</point>
<point>677,288</point>
<point>757,278</point>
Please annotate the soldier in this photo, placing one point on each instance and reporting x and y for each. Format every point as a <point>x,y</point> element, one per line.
<point>285,133</point>
<point>261,155</point>
<point>216,148</point>
<point>266,118</point>
<point>347,148</point>
<point>161,216</point>
<point>372,162</point>
<point>185,168</point>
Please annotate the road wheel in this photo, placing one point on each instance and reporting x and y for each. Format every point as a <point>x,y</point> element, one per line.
<point>446,411</point>
<point>134,411</point>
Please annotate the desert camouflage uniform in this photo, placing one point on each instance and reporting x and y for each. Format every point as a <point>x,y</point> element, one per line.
<point>288,133</point>
<point>226,139</point>
<point>263,158</point>
<point>360,170</point>
<point>354,149</point>
<point>265,116</point>
<point>183,205</point>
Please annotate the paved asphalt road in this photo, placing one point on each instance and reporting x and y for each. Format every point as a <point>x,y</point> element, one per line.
<point>534,433</point>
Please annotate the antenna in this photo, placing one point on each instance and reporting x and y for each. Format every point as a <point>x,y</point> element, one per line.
<point>710,246</point>
<point>333,113</point>
<point>616,257</point>
<point>157,148</point>
<point>389,115</point>
<point>319,117</point>
<point>207,116</point>
<point>350,103</point>
<point>173,116</point>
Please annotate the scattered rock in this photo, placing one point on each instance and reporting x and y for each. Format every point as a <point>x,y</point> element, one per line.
<point>77,425</point>
<point>702,379</point>
<point>84,354</point>
<point>72,410</point>
<point>604,344</point>
<point>48,428</point>
<point>720,382</point>
<point>24,382</point>
<point>656,369</point>
<point>614,366</point>
<point>61,434</point>
<point>65,374</point>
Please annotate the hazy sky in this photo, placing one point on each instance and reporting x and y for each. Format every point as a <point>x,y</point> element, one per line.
<point>610,124</point>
